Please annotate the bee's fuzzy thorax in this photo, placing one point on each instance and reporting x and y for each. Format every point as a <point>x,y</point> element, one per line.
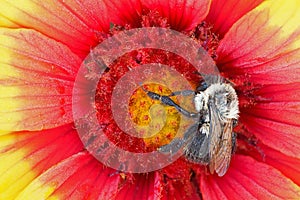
<point>225,98</point>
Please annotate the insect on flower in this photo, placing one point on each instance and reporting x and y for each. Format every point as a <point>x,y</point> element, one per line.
<point>211,140</point>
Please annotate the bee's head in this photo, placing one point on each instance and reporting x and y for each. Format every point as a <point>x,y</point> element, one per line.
<point>202,86</point>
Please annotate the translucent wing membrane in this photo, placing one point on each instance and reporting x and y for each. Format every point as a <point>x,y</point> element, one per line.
<point>177,143</point>
<point>224,155</point>
<point>215,131</point>
<point>221,142</point>
<point>197,145</point>
<point>173,147</point>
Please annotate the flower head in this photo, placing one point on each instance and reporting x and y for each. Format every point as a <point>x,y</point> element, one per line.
<point>43,44</point>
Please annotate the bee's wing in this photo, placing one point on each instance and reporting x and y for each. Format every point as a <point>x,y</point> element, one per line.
<point>223,157</point>
<point>196,148</point>
<point>172,147</point>
<point>191,132</point>
<point>215,132</point>
<point>177,143</point>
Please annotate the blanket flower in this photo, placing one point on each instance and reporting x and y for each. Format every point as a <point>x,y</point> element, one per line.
<point>254,44</point>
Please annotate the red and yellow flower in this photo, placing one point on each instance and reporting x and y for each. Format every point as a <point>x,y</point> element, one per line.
<point>42,45</point>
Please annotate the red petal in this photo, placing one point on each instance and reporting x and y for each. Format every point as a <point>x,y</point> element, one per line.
<point>224,13</point>
<point>90,179</point>
<point>74,23</point>
<point>276,123</point>
<point>77,177</point>
<point>98,15</point>
<point>281,69</point>
<point>249,179</point>
<point>52,19</point>
<point>139,187</point>
<point>287,165</point>
<point>275,127</point>
<point>25,155</point>
<point>264,44</point>
<point>36,81</point>
<point>280,92</point>
<point>182,15</point>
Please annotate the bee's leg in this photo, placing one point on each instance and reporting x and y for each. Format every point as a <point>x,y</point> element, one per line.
<point>183,93</point>
<point>169,102</point>
<point>235,123</point>
<point>234,136</point>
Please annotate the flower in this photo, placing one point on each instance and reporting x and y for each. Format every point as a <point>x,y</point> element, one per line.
<point>42,45</point>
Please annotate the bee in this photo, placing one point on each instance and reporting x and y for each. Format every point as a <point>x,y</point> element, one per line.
<point>210,140</point>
